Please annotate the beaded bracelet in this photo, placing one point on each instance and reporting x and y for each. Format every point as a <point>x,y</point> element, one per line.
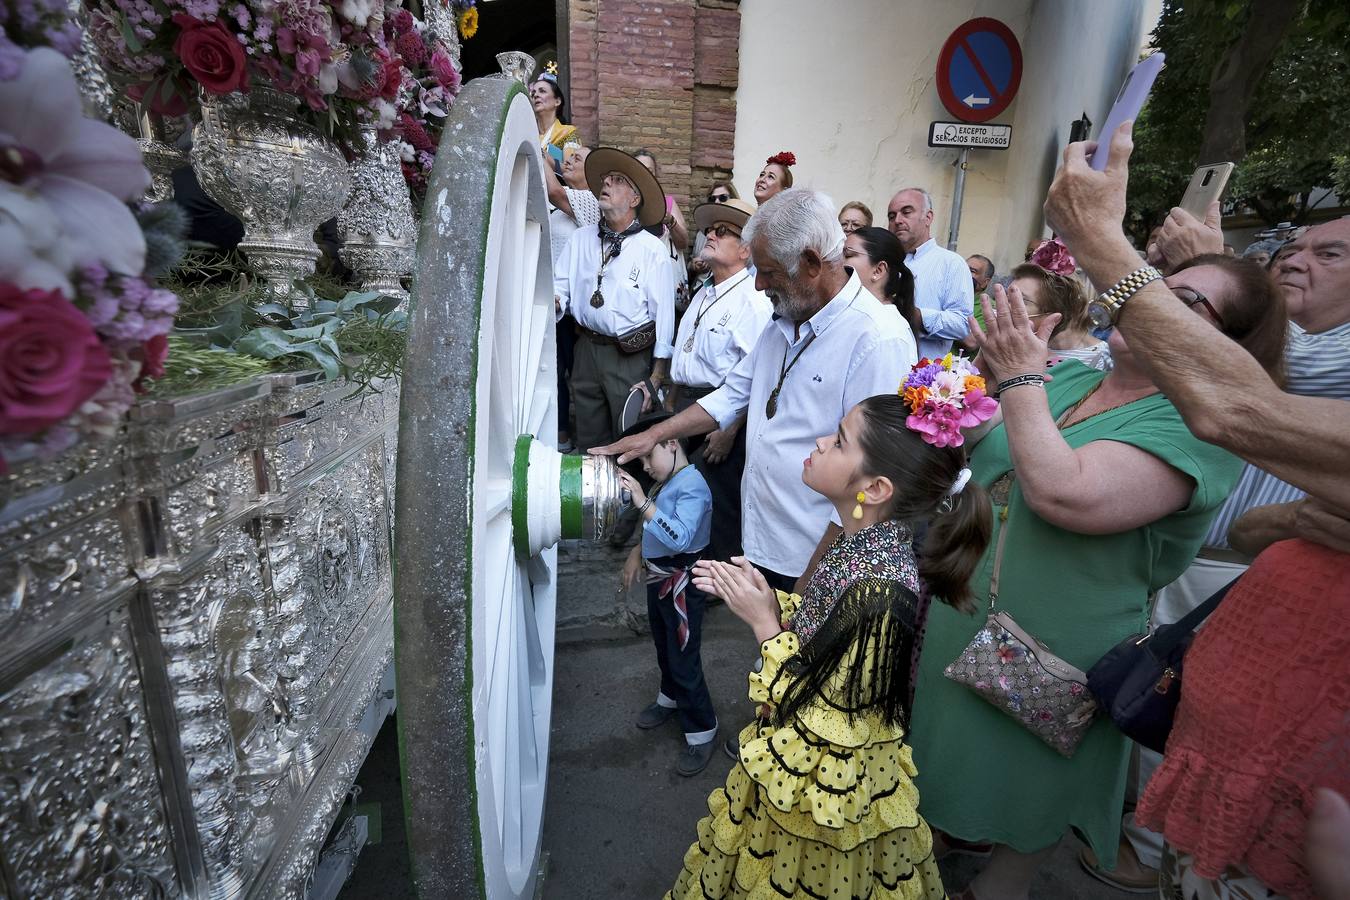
<point>1035,378</point>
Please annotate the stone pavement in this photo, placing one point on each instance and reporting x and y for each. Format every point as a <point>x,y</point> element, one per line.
<point>618,818</point>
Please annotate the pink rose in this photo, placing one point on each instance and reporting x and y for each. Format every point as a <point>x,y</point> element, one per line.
<point>153,354</point>
<point>443,68</point>
<point>50,359</point>
<point>211,55</point>
<point>1054,257</point>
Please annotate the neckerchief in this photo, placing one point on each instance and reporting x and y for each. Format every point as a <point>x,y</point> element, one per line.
<point>611,241</point>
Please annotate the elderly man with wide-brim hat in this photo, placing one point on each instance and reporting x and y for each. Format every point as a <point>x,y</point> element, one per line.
<point>613,278</point>
<point>718,330</point>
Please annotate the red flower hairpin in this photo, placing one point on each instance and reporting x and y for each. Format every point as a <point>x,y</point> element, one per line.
<point>782,158</point>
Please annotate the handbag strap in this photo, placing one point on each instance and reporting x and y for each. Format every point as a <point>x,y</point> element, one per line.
<point>1169,637</point>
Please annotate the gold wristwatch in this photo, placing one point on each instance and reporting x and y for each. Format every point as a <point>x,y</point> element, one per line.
<point>1105,310</point>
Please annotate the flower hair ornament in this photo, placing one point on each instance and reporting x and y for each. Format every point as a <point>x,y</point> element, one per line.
<point>783,158</point>
<point>1054,257</point>
<point>945,396</point>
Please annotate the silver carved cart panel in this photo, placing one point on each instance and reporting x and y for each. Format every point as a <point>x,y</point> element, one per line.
<point>197,643</point>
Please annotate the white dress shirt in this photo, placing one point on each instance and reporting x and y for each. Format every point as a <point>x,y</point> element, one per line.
<point>636,286</point>
<point>861,348</point>
<point>585,211</point>
<point>944,294</point>
<point>724,322</point>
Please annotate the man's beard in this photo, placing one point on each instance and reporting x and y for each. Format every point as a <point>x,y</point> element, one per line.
<point>791,305</point>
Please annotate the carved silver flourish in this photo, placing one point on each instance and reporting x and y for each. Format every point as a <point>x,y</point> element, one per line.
<point>443,25</point>
<point>81,813</point>
<point>516,64</point>
<point>161,157</point>
<point>256,158</point>
<point>96,92</point>
<point>376,225</point>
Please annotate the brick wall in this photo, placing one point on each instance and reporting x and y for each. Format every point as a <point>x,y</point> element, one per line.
<point>660,75</point>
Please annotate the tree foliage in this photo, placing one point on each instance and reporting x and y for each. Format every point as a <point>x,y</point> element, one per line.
<point>1297,123</point>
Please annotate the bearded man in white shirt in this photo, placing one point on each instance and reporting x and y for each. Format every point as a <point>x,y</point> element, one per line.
<point>830,344</point>
<point>943,291</point>
<point>614,279</point>
<point>718,330</point>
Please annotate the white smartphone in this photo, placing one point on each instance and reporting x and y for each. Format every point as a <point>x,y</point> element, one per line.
<point>1207,184</point>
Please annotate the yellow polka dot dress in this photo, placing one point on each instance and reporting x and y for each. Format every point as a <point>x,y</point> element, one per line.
<point>822,806</point>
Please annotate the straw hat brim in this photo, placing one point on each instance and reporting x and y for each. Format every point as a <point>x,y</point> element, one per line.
<point>733,212</point>
<point>604,160</point>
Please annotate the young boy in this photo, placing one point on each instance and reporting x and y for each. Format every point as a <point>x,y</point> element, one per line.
<point>677,520</point>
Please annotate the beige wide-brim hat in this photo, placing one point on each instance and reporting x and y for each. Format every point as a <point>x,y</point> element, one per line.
<point>604,160</point>
<point>734,212</point>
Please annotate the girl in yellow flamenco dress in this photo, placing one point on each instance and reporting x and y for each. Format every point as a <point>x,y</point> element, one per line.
<point>821,802</point>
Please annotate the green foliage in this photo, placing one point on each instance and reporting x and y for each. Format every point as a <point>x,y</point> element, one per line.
<point>1297,124</point>
<point>226,315</point>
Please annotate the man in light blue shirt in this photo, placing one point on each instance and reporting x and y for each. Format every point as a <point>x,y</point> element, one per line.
<point>943,291</point>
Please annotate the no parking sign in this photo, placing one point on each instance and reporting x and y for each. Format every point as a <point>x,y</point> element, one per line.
<point>979,70</point>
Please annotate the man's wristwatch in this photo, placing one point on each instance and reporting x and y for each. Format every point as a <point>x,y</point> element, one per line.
<point>1105,310</point>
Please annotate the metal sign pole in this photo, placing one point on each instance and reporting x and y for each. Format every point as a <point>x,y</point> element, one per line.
<point>957,195</point>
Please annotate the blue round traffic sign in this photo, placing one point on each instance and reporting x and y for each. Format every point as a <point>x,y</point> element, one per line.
<point>979,70</point>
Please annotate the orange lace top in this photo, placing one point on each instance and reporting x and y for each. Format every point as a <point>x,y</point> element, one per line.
<point>1264,719</point>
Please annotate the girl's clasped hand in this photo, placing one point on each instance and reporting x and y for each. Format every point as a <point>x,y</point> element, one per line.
<point>743,588</point>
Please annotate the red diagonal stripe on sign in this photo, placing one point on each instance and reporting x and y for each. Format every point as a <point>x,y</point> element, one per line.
<point>994,92</point>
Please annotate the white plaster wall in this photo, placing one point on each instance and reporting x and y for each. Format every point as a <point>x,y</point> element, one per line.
<point>849,86</point>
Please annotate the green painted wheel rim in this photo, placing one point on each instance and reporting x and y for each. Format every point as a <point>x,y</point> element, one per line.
<point>520,491</point>
<point>569,490</point>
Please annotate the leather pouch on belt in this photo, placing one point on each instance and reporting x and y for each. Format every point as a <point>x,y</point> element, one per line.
<point>637,340</point>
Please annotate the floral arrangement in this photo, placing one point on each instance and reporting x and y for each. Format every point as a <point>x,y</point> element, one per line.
<point>782,158</point>
<point>333,54</point>
<point>1054,257</point>
<point>431,82</point>
<point>35,23</point>
<point>945,396</point>
<point>82,326</point>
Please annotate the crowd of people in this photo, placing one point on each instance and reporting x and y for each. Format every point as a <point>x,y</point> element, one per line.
<point>913,501</point>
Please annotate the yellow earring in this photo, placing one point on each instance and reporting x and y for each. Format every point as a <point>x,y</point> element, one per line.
<point>857,510</point>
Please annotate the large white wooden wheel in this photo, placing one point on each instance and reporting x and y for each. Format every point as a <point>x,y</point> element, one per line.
<point>483,496</point>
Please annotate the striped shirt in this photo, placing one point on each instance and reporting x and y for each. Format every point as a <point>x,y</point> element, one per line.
<point>1317,365</point>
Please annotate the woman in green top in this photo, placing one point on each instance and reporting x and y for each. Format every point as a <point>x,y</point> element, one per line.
<point>1106,495</point>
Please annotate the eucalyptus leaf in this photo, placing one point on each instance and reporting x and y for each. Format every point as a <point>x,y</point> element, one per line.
<point>266,342</point>
<point>354,300</point>
<point>273,309</point>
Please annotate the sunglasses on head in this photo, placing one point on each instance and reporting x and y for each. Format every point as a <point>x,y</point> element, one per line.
<point>721,229</point>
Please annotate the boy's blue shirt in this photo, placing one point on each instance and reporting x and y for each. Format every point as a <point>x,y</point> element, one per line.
<point>683,520</point>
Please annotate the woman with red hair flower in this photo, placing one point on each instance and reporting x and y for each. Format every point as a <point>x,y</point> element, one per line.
<point>775,176</point>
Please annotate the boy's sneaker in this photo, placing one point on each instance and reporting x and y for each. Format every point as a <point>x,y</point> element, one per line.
<point>695,758</point>
<point>655,716</point>
<point>732,747</point>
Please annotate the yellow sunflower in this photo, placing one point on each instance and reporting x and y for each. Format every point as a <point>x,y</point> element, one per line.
<point>468,23</point>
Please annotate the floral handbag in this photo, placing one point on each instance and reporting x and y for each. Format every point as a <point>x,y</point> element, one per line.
<point>1018,674</point>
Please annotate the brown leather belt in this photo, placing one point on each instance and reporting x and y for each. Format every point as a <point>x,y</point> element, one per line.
<point>597,337</point>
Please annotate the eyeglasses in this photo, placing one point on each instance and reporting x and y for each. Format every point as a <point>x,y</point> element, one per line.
<point>718,198</point>
<point>721,229</point>
<point>1191,297</point>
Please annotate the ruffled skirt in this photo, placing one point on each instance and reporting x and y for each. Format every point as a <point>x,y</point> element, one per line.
<point>766,838</point>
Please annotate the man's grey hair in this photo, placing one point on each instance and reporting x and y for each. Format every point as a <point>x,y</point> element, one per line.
<point>927,197</point>
<point>988,264</point>
<point>794,221</point>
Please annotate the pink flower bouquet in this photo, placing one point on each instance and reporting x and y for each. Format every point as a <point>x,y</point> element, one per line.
<point>79,325</point>
<point>945,396</point>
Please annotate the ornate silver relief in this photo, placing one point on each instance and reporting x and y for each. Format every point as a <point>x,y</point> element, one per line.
<point>376,225</point>
<point>81,811</point>
<point>277,174</point>
<point>250,527</point>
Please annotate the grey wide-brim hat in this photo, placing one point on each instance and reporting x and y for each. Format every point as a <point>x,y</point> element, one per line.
<point>603,160</point>
<point>734,212</point>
